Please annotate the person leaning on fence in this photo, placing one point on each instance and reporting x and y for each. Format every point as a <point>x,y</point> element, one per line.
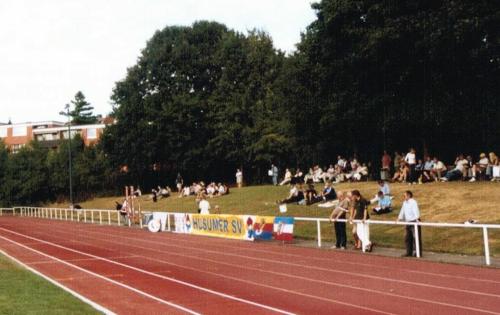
<point>360,230</point>
<point>411,213</point>
<point>340,227</point>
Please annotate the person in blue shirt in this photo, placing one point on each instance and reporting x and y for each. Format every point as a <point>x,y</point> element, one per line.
<point>384,204</point>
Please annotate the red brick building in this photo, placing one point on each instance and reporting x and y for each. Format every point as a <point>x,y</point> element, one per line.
<point>48,133</point>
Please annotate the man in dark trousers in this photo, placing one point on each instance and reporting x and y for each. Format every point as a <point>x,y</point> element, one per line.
<point>340,213</point>
<point>411,213</point>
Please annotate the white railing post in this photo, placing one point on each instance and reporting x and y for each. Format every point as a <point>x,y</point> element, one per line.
<point>85,216</point>
<point>417,240</point>
<point>318,227</point>
<point>168,223</point>
<point>91,216</point>
<point>109,217</point>
<point>486,246</point>
<point>66,214</point>
<point>118,216</point>
<point>100,217</point>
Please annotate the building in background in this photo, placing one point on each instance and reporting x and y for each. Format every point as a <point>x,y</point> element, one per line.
<point>47,133</point>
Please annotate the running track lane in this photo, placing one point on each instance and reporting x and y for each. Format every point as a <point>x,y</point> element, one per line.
<point>294,279</point>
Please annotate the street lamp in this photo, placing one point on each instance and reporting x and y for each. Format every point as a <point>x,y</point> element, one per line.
<point>67,114</point>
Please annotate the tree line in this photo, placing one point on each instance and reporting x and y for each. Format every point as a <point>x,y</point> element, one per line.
<point>366,76</point>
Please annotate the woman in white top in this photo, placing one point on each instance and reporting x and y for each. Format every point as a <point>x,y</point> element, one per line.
<point>411,160</point>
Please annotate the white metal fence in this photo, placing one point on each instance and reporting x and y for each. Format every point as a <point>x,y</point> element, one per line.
<point>113,217</point>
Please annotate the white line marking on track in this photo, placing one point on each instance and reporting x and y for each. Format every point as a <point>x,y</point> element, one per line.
<point>277,273</point>
<point>104,278</point>
<point>148,273</point>
<point>93,304</point>
<point>292,276</point>
<point>303,266</point>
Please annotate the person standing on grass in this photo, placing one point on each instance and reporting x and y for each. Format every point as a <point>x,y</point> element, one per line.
<point>340,227</point>
<point>273,172</point>
<point>239,178</point>
<point>411,213</point>
<point>360,230</point>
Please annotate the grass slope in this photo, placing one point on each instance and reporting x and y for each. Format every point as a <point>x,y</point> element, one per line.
<point>439,202</point>
<point>22,292</point>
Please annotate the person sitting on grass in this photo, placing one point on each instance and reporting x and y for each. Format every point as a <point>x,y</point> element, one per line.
<point>480,167</point>
<point>384,204</point>
<point>295,196</point>
<point>401,175</point>
<point>287,179</point>
<point>164,192</point>
<point>298,178</point>
<point>427,172</point>
<point>311,195</point>
<point>383,186</point>
<point>458,172</point>
<point>222,190</point>
<point>438,169</point>
<point>328,192</point>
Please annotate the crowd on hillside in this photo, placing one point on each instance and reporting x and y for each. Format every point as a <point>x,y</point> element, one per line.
<point>408,168</point>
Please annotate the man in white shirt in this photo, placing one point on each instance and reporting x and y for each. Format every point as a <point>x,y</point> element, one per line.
<point>204,205</point>
<point>480,167</point>
<point>410,213</point>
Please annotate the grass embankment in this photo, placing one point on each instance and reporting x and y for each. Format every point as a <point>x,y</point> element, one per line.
<point>22,292</point>
<point>453,202</point>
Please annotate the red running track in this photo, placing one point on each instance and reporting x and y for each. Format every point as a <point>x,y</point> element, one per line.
<point>130,271</point>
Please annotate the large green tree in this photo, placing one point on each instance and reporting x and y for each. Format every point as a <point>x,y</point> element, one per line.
<point>404,73</point>
<point>198,101</point>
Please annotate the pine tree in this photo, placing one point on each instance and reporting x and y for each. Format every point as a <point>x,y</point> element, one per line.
<point>82,112</point>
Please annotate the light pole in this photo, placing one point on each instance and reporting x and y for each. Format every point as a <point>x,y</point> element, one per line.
<point>67,114</point>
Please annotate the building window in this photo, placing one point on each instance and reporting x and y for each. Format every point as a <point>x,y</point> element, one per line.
<point>73,134</point>
<point>3,132</point>
<point>19,131</point>
<point>16,147</point>
<point>92,133</point>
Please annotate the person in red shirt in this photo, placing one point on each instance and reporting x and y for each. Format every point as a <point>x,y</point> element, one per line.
<point>386,166</point>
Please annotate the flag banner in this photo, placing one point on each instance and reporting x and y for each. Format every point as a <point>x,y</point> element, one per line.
<point>259,227</point>
<point>283,228</point>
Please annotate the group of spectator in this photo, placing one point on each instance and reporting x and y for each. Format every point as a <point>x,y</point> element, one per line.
<point>344,170</point>
<point>407,168</point>
<point>197,188</point>
<point>353,206</point>
<point>410,169</point>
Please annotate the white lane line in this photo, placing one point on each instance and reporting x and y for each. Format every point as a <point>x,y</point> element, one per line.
<point>361,275</point>
<point>329,300</point>
<point>103,278</point>
<point>285,275</point>
<point>216,242</point>
<point>93,304</point>
<point>223,245</point>
<point>230,297</point>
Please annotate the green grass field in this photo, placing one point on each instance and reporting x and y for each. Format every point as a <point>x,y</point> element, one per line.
<point>453,202</point>
<point>22,292</point>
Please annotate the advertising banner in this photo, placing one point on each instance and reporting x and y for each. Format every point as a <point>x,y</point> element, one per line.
<point>228,226</point>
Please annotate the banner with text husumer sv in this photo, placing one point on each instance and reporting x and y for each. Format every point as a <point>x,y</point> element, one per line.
<point>242,227</point>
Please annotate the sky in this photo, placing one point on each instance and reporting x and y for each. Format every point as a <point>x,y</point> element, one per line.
<point>50,49</point>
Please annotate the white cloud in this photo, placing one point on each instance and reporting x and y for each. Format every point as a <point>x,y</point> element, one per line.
<point>51,49</point>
